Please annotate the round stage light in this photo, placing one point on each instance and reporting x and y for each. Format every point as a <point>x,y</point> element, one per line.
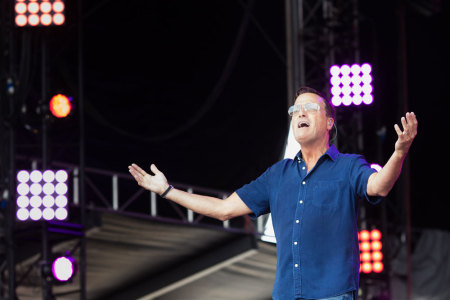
<point>335,70</point>
<point>35,214</point>
<point>376,167</point>
<point>64,268</point>
<point>23,189</point>
<point>375,234</point>
<point>36,189</point>
<point>33,20</point>
<point>59,19</point>
<point>58,6</point>
<point>61,213</point>
<point>377,256</point>
<point>378,267</point>
<point>21,20</point>
<point>61,176</point>
<point>48,176</point>
<point>61,201</point>
<point>33,7</point>
<point>59,104</point>
<point>46,19</point>
<point>36,176</point>
<point>46,7</point>
<point>48,188</point>
<point>61,188</point>
<point>23,201</point>
<point>23,214</point>
<point>23,176</point>
<point>21,8</point>
<point>35,201</point>
<point>48,214</point>
<point>48,201</point>
<point>366,267</point>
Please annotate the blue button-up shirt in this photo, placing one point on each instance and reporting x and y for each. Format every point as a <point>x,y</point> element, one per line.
<point>314,217</point>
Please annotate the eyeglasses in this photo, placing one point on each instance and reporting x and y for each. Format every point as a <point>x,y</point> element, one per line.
<point>305,107</point>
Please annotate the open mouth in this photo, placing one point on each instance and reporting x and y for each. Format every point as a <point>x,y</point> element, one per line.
<point>302,124</point>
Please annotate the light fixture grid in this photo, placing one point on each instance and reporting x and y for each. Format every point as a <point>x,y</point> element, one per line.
<point>38,13</point>
<point>42,197</point>
<point>351,84</point>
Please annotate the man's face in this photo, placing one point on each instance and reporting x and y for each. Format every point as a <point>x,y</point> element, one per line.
<point>311,126</point>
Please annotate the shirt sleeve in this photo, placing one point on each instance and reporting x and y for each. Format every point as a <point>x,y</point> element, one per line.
<point>256,195</point>
<point>359,177</point>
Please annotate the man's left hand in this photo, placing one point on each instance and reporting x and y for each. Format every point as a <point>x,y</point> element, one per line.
<point>406,137</point>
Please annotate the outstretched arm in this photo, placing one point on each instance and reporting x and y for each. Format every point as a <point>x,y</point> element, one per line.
<point>381,183</point>
<point>216,208</point>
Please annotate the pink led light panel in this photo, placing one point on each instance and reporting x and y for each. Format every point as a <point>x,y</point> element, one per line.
<point>351,84</point>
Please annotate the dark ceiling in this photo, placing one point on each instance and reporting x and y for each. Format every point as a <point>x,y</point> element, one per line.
<point>200,90</point>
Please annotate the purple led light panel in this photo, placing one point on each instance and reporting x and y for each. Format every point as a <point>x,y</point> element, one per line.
<point>42,195</point>
<point>351,84</point>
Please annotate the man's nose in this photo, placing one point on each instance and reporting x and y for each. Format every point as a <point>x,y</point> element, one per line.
<point>301,112</point>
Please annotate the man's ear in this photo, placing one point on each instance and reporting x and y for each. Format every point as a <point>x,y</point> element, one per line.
<point>330,123</point>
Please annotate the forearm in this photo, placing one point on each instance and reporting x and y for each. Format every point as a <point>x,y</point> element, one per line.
<point>204,205</point>
<point>381,183</point>
<point>216,208</point>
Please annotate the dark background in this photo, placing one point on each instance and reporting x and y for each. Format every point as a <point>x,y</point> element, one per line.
<point>189,86</point>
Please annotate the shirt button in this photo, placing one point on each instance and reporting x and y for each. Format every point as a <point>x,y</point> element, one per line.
<point>297,221</point>
<point>301,201</point>
<point>296,265</point>
<point>304,182</point>
<point>303,168</point>
<point>295,243</point>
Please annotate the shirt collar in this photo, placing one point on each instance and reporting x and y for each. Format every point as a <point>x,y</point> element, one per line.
<point>332,153</point>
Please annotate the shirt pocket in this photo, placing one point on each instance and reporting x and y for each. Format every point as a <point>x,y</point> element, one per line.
<point>327,194</point>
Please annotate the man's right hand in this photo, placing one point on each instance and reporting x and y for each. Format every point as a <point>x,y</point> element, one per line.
<point>156,183</point>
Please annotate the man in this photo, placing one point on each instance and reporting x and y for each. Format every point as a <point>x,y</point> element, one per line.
<point>313,200</point>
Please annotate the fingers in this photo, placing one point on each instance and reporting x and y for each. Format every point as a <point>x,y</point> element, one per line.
<point>412,123</point>
<point>409,124</point>
<point>138,169</point>
<point>398,130</point>
<point>154,169</point>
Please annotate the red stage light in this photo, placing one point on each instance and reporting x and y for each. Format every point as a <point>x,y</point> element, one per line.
<point>377,256</point>
<point>58,6</point>
<point>366,257</point>
<point>60,106</point>
<point>365,246</point>
<point>377,267</point>
<point>21,8</point>
<point>39,12</point>
<point>33,7</point>
<point>366,267</point>
<point>364,235</point>
<point>58,19</point>
<point>370,251</point>
<point>46,7</point>
<point>21,20</point>
<point>46,19</point>
<point>33,20</point>
<point>375,234</point>
<point>376,245</point>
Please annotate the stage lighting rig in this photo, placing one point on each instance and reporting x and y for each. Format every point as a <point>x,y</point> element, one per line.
<point>42,195</point>
<point>370,247</point>
<point>33,13</point>
<point>351,84</point>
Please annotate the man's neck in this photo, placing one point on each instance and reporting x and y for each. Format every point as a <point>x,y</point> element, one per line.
<point>312,153</point>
